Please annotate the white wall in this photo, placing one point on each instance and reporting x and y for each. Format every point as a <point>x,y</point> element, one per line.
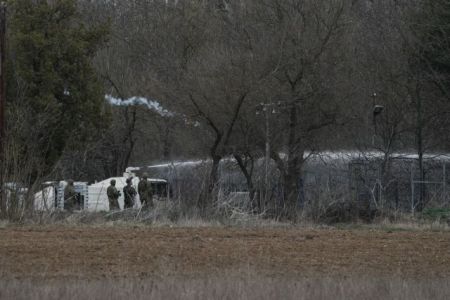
<point>45,199</point>
<point>98,199</point>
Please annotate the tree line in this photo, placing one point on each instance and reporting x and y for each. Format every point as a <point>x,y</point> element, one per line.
<point>243,79</point>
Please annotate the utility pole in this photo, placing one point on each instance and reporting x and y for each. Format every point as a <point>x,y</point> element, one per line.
<point>267,109</point>
<point>376,111</point>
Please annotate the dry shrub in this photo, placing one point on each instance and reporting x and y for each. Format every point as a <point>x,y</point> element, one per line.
<point>245,285</point>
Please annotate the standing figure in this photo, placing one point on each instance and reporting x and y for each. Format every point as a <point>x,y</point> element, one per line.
<point>145,192</point>
<point>129,193</point>
<point>113,196</point>
<point>70,196</point>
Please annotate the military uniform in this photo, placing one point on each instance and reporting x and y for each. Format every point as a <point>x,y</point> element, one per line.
<point>129,193</point>
<point>113,196</point>
<point>145,193</point>
<point>70,197</point>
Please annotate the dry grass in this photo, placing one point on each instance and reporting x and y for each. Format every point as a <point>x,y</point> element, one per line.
<point>174,214</point>
<point>164,217</point>
<point>250,286</point>
<point>164,214</point>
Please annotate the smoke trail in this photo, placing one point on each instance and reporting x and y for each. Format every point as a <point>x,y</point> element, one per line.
<point>150,104</point>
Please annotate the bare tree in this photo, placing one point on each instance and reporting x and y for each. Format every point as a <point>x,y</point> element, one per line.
<point>305,37</point>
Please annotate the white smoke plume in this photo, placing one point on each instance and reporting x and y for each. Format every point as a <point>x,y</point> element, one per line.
<point>150,104</point>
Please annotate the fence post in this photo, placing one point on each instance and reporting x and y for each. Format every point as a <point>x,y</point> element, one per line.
<point>412,187</point>
<point>444,182</point>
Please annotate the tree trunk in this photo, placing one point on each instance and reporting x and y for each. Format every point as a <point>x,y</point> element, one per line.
<point>420,152</point>
<point>292,174</point>
<point>292,189</point>
<point>248,177</point>
<point>290,170</point>
<point>214,174</point>
<point>208,196</point>
<point>128,141</point>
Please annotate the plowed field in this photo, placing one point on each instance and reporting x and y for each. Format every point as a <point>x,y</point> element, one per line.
<point>90,252</point>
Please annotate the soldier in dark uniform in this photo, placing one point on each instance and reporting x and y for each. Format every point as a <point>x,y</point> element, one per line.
<point>113,196</point>
<point>70,196</point>
<point>145,192</point>
<point>129,193</point>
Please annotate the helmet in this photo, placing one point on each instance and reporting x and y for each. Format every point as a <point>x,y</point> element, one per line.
<point>113,182</point>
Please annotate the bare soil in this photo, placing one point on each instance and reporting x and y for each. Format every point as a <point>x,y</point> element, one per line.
<point>90,252</point>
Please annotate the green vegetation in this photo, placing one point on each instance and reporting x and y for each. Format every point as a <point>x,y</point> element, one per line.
<point>51,78</point>
<point>441,214</point>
